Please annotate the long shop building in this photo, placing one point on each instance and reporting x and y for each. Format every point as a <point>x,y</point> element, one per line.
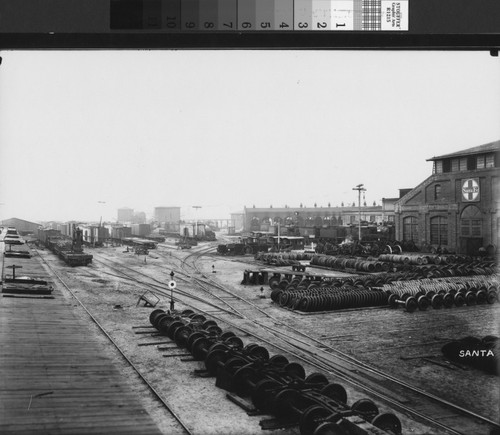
<point>457,207</point>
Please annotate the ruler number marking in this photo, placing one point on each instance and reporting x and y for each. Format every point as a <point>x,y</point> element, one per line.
<point>171,22</point>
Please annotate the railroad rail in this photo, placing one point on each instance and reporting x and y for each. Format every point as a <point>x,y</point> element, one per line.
<point>331,359</point>
<point>343,365</point>
<point>156,393</point>
<point>162,289</point>
<point>398,394</point>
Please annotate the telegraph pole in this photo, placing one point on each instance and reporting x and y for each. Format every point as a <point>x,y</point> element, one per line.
<point>360,189</point>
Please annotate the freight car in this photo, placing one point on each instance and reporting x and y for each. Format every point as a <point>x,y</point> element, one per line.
<point>261,242</point>
<point>69,250</point>
<point>255,242</point>
<point>140,243</point>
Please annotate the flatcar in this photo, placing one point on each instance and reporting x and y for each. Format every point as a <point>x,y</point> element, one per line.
<point>68,249</point>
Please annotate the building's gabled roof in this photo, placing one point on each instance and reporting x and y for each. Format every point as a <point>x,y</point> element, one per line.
<point>481,149</point>
<point>14,219</point>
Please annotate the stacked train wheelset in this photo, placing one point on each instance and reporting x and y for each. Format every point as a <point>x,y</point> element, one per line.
<point>273,384</point>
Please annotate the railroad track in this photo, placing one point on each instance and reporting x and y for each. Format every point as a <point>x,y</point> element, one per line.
<point>399,395</point>
<point>136,369</point>
<point>160,288</point>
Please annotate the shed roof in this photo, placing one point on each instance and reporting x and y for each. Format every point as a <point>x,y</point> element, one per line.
<point>14,220</point>
<point>486,148</point>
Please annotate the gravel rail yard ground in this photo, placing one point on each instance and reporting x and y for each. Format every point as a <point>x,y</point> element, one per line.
<point>406,346</point>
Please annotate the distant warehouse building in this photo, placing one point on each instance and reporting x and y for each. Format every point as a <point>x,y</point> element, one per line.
<point>457,207</point>
<point>94,235</point>
<point>236,223</point>
<point>168,214</point>
<point>118,231</point>
<point>22,226</point>
<point>168,218</point>
<point>125,214</point>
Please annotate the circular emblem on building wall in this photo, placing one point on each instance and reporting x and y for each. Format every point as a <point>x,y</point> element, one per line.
<point>470,189</point>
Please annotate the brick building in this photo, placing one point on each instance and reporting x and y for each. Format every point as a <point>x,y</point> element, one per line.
<point>309,218</point>
<point>457,207</point>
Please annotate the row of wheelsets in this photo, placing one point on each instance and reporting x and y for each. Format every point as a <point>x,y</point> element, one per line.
<point>273,384</point>
<point>413,297</point>
<point>319,407</point>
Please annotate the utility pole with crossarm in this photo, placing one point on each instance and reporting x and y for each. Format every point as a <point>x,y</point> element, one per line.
<point>360,189</point>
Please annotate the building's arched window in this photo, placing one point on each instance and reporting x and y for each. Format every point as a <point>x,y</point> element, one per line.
<point>471,222</point>
<point>278,220</point>
<point>410,229</point>
<point>318,221</point>
<point>255,224</point>
<point>266,221</point>
<point>437,191</point>
<point>439,230</point>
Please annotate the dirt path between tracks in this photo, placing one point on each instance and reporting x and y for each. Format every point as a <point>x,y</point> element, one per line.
<point>380,337</point>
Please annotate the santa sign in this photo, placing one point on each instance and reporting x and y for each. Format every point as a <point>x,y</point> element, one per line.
<point>470,189</point>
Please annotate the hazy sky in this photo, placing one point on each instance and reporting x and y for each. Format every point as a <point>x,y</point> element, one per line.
<point>225,129</point>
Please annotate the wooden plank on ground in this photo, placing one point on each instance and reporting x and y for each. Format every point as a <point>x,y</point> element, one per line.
<point>54,378</point>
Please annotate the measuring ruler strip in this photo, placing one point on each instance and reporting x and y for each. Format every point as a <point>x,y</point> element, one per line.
<point>265,15</point>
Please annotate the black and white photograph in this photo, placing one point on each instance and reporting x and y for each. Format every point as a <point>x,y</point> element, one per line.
<point>250,241</point>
